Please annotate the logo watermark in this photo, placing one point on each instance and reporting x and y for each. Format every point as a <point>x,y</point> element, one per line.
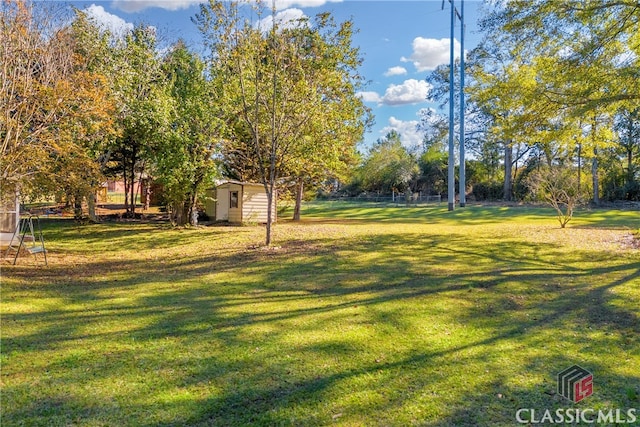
<point>575,384</point>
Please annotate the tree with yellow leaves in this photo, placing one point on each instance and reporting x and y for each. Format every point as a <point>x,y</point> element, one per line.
<point>54,108</point>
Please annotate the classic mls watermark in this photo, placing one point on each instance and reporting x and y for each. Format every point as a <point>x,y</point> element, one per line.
<point>576,416</point>
<point>575,384</point>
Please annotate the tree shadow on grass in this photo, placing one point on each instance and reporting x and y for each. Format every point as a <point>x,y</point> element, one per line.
<point>137,236</point>
<point>471,215</point>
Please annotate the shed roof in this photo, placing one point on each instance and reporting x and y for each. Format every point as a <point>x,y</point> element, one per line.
<point>243,183</point>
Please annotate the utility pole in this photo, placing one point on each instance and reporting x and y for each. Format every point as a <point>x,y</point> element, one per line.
<point>451,170</point>
<point>463,184</point>
<point>451,175</point>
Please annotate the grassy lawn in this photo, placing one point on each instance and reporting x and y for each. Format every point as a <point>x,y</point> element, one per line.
<point>357,316</point>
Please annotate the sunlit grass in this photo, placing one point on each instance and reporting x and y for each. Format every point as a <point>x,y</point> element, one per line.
<point>356,316</point>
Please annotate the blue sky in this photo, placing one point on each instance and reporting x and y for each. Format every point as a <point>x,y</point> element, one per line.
<point>401,42</point>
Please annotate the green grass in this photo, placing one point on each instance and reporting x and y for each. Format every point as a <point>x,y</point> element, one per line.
<point>357,316</point>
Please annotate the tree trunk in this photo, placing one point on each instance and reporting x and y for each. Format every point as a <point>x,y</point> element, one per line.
<point>269,216</point>
<point>299,190</point>
<point>594,164</point>
<point>91,203</point>
<point>179,213</point>
<point>508,166</point>
<point>126,187</point>
<point>192,210</point>
<point>147,196</point>
<point>77,206</point>
<point>596,182</point>
<point>630,169</point>
<point>133,186</point>
<point>579,167</point>
<point>186,214</point>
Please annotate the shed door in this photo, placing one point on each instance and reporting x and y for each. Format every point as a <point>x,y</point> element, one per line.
<point>222,204</point>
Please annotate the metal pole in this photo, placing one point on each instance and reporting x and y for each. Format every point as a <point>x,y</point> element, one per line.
<point>463,185</point>
<point>451,175</point>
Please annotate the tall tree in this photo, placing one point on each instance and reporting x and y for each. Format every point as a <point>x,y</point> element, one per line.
<point>280,84</point>
<point>73,169</point>
<point>30,69</point>
<point>501,87</point>
<point>327,146</point>
<point>143,105</point>
<point>566,68</point>
<point>92,128</point>
<point>184,160</point>
<point>53,105</point>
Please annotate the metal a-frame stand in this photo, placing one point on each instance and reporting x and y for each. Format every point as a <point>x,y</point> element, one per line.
<point>28,232</point>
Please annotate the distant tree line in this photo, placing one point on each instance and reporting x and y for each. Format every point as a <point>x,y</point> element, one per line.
<point>553,86</point>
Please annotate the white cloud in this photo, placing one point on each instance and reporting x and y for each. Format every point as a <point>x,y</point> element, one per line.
<point>117,26</point>
<point>429,53</point>
<point>408,130</point>
<point>370,97</point>
<point>395,71</point>
<point>284,4</point>
<point>139,5</point>
<point>411,91</point>
<point>289,18</point>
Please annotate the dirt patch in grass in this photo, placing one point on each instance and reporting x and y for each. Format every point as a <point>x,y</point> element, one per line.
<point>630,241</point>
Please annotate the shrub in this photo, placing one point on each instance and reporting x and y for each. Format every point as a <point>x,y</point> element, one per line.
<point>488,191</point>
<point>558,187</point>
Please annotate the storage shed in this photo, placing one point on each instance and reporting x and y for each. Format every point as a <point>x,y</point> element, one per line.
<point>9,217</point>
<point>239,202</point>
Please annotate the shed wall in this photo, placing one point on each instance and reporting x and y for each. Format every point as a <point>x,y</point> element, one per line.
<point>9,219</point>
<point>255,204</point>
